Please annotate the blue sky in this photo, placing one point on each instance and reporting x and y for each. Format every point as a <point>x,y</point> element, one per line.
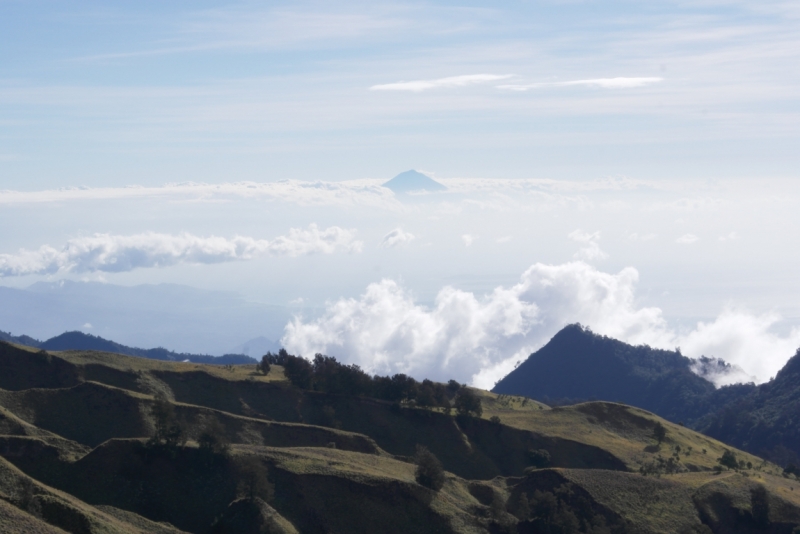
<point>598,138</point>
<point>143,92</point>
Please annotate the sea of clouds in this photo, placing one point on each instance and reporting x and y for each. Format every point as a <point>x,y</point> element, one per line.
<point>444,330</point>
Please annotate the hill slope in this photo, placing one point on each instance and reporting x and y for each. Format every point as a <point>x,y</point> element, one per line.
<point>77,453</point>
<point>766,420</point>
<point>578,365</point>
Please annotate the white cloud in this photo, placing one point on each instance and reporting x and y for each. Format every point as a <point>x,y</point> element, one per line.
<point>478,339</point>
<point>504,239</point>
<point>720,372</point>
<point>687,239</point>
<point>396,238</point>
<point>468,239</point>
<point>87,326</point>
<point>733,236</point>
<point>470,338</point>
<point>745,340</point>
<point>591,251</point>
<point>604,83</point>
<point>417,86</point>
<point>117,253</point>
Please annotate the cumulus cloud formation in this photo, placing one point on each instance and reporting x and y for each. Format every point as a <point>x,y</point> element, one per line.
<point>396,238</point>
<point>478,339</point>
<point>604,83</point>
<point>469,338</point>
<point>118,253</point>
<point>591,251</point>
<point>418,86</point>
<point>687,239</point>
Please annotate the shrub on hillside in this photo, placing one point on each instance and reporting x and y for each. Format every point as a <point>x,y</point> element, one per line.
<point>728,459</point>
<point>659,432</point>
<point>539,457</point>
<point>168,430</point>
<point>264,365</point>
<point>213,439</point>
<point>468,403</point>
<point>253,480</point>
<point>429,472</point>
<point>299,371</point>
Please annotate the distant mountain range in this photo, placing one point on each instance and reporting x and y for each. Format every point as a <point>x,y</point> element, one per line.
<point>579,365</point>
<point>81,341</point>
<point>183,318</point>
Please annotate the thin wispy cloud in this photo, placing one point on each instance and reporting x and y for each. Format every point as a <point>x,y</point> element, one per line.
<point>603,83</point>
<point>418,86</point>
<point>120,253</point>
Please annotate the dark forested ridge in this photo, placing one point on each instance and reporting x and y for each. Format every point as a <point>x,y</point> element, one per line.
<point>765,420</point>
<point>80,341</point>
<point>579,365</point>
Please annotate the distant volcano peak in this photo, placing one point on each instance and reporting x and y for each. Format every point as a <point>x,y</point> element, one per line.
<point>412,180</point>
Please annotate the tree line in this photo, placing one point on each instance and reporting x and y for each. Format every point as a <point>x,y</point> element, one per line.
<point>327,375</point>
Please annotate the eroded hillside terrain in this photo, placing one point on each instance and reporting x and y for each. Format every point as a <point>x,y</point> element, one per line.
<point>100,442</point>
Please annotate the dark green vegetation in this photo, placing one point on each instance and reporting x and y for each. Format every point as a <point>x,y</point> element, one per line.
<point>95,442</point>
<point>325,374</point>
<point>577,365</point>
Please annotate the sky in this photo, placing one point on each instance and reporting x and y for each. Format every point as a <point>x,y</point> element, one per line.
<point>628,165</point>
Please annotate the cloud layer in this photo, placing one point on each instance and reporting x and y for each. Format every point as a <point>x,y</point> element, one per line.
<point>118,253</point>
<point>479,339</point>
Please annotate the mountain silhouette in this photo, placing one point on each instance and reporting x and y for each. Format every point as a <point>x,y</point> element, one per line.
<point>409,181</point>
<point>80,341</point>
<point>579,365</point>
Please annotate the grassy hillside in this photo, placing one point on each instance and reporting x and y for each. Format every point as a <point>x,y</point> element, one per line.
<point>75,455</point>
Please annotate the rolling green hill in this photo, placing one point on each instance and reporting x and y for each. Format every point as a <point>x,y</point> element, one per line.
<point>78,454</point>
